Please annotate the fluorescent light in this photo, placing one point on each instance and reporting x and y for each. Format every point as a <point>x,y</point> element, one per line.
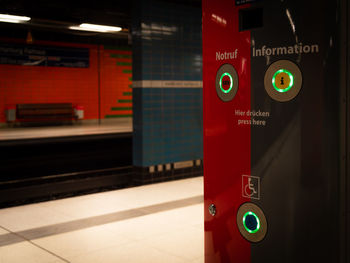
<point>96,28</point>
<point>85,29</point>
<point>100,27</point>
<point>9,20</point>
<point>13,19</point>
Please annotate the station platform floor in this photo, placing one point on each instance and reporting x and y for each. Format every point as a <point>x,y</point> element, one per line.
<point>153,223</point>
<point>80,129</point>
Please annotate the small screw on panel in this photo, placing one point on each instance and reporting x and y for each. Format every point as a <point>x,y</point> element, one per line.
<point>212,209</point>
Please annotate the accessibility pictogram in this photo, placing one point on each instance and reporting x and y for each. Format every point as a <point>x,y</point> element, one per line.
<point>251,187</point>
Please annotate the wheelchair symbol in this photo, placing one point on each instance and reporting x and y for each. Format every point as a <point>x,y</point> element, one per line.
<point>251,187</point>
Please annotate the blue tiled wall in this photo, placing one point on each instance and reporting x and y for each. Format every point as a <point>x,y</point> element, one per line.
<point>167,45</point>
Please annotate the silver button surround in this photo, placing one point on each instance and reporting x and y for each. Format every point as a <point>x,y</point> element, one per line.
<point>251,237</point>
<point>227,68</point>
<point>298,80</point>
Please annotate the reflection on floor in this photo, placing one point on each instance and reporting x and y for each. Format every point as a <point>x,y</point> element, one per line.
<point>117,126</point>
<point>154,223</point>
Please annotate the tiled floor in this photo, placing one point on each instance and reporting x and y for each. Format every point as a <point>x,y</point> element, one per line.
<point>16,133</point>
<point>154,223</point>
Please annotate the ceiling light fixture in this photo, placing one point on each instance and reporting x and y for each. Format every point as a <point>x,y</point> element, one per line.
<point>96,28</point>
<point>13,19</point>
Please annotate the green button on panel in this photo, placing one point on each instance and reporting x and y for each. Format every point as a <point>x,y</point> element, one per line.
<point>283,80</point>
<point>226,82</point>
<point>251,222</point>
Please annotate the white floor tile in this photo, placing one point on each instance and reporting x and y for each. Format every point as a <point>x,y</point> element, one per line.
<point>84,207</point>
<point>136,252</point>
<point>125,199</point>
<point>198,260</point>
<point>168,191</point>
<point>80,242</point>
<point>140,228</point>
<point>2,231</point>
<point>29,217</point>
<point>170,235</point>
<point>185,216</point>
<point>187,243</point>
<point>67,130</point>
<point>159,224</point>
<point>25,252</point>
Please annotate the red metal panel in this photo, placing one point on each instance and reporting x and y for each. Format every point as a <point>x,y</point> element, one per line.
<point>226,143</point>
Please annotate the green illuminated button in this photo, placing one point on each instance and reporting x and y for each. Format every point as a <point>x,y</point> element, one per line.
<point>226,82</point>
<point>283,80</point>
<point>251,222</point>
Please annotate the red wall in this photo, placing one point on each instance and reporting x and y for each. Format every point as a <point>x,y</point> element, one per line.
<point>80,86</point>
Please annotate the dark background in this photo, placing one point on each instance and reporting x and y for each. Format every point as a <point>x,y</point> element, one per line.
<point>51,19</point>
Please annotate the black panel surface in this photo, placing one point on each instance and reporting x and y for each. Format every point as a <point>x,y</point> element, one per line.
<point>297,153</point>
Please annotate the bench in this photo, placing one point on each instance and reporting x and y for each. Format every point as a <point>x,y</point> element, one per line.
<point>45,112</point>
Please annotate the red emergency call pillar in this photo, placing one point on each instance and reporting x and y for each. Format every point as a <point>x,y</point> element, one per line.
<point>274,122</point>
